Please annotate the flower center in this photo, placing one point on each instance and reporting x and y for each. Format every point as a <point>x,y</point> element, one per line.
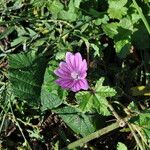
<point>75,75</point>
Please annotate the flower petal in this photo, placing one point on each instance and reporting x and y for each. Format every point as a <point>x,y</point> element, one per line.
<point>80,84</point>
<point>66,84</point>
<point>77,60</point>
<point>83,84</point>
<point>83,75</point>
<point>75,87</point>
<point>83,66</point>
<point>70,60</point>
<point>63,66</point>
<point>62,74</point>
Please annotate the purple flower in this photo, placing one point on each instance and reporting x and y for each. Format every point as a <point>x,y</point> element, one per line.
<point>72,73</point>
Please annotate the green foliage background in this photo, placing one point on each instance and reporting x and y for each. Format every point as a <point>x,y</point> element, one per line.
<point>112,35</point>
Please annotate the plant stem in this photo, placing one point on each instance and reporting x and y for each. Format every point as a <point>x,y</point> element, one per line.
<point>142,16</point>
<point>92,136</point>
<point>122,123</point>
<point>1,126</point>
<point>135,136</point>
<point>140,134</point>
<point>14,118</point>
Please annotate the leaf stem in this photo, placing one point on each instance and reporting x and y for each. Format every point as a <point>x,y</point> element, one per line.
<point>142,16</point>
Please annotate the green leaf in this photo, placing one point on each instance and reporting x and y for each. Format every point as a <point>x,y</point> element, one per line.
<point>49,82</point>
<point>110,29</point>
<point>19,40</point>
<point>85,99</point>
<point>96,99</point>
<point>104,91</point>
<point>49,100</point>
<point>77,121</point>
<point>96,49</point>
<point>100,103</point>
<point>121,33</point>
<point>55,7</point>
<point>26,71</point>
<point>51,94</point>
<point>122,47</point>
<point>21,60</point>
<point>143,121</point>
<point>116,8</point>
<point>121,146</point>
<point>7,32</point>
<point>72,13</point>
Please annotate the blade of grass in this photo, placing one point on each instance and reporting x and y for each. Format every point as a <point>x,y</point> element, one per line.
<point>142,16</point>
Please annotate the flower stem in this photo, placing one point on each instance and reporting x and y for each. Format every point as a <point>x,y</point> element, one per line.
<point>142,16</point>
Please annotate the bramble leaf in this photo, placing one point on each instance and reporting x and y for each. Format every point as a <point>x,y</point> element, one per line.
<point>26,71</point>
<point>49,100</point>
<point>77,121</point>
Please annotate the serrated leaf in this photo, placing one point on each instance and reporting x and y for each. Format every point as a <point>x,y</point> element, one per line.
<point>113,12</point>
<point>55,7</point>
<point>97,99</point>
<point>101,106</point>
<point>49,100</point>
<point>60,55</point>
<point>71,14</point>
<point>85,99</point>
<point>116,8</point>
<point>121,146</point>
<point>104,91</point>
<point>21,60</point>
<point>77,121</point>
<point>26,71</point>
<point>110,29</point>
